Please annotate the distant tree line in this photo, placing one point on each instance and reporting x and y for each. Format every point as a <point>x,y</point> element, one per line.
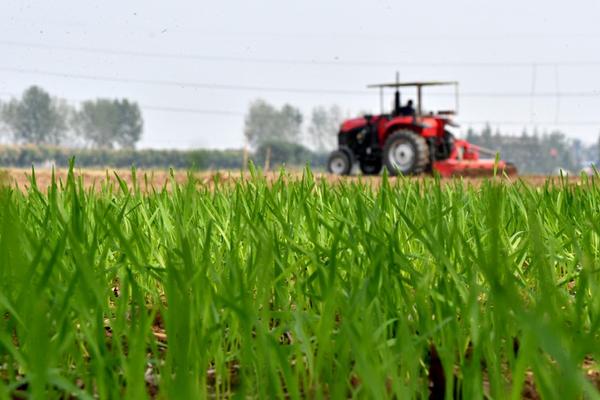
<point>28,155</point>
<point>43,127</point>
<point>104,132</point>
<point>536,153</point>
<point>37,118</point>
<point>24,156</point>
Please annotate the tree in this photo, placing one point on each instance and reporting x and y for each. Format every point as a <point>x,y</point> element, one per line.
<point>108,124</point>
<point>4,131</point>
<point>291,122</point>
<point>324,126</point>
<point>280,153</point>
<point>36,118</point>
<point>486,136</point>
<point>598,150</point>
<point>265,123</point>
<point>472,137</point>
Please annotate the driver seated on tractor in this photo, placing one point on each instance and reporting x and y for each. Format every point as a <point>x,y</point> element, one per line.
<point>408,109</point>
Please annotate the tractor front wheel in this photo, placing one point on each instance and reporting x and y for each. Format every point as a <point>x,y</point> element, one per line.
<point>339,163</point>
<point>406,153</point>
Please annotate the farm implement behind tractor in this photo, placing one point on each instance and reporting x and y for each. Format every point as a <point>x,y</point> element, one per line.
<point>409,141</point>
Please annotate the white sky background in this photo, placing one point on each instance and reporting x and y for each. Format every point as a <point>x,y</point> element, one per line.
<point>343,45</point>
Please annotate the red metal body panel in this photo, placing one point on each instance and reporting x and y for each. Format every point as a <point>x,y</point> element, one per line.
<point>353,123</point>
<point>464,161</point>
<point>452,167</point>
<point>464,150</point>
<point>426,126</point>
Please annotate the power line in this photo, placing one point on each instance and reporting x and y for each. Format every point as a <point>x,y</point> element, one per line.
<point>192,110</point>
<point>195,85</point>
<point>535,123</point>
<point>316,62</point>
<point>296,90</point>
<point>593,93</point>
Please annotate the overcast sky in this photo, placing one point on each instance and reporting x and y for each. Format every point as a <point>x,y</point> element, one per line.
<point>194,66</point>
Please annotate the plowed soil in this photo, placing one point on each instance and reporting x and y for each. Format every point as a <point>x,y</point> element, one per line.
<point>159,178</point>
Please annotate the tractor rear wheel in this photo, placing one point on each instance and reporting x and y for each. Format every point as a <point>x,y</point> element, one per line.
<point>406,153</point>
<point>339,163</point>
<point>370,167</point>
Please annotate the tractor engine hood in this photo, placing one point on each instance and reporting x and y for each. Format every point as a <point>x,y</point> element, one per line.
<point>353,123</point>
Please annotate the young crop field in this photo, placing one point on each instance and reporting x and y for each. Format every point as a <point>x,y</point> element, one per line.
<point>297,287</point>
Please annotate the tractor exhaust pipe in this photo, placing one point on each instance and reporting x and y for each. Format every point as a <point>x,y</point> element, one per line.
<point>397,104</point>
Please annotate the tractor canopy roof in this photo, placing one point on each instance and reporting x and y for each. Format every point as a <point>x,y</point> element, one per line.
<point>419,86</point>
<point>413,84</point>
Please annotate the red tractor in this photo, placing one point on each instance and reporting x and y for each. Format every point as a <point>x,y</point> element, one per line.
<point>408,141</point>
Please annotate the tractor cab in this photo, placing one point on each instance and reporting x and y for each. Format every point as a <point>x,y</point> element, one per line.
<point>418,110</point>
<point>407,140</point>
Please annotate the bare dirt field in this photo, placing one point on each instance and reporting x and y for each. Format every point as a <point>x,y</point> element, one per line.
<point>160,178</point>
